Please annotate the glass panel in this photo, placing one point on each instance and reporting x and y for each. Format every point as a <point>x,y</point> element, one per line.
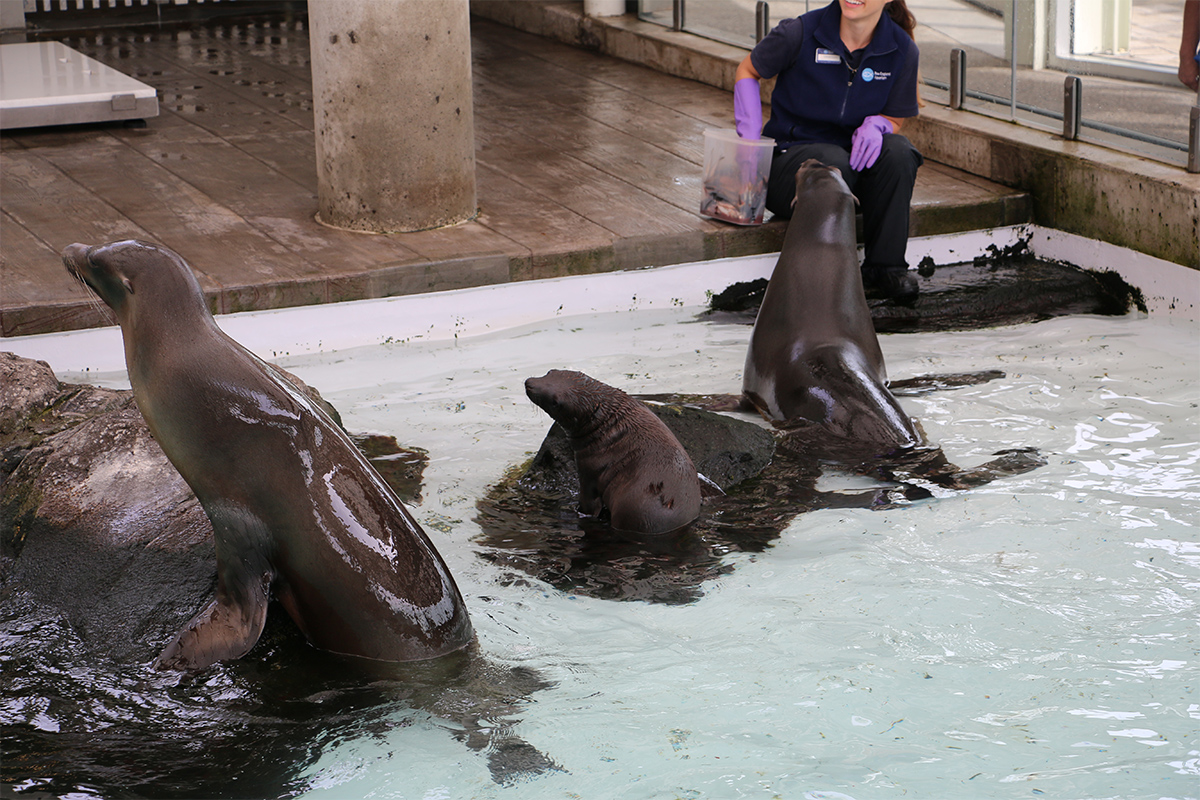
<point>1132,98</point>
<point>660,12</point>
<point>786,9</point>
<point>978,29</point>
<point>730,21</point>
<point>1155,30</point>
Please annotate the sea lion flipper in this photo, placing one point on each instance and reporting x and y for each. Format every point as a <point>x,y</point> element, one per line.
<point>924,384</point>
<point>221,631</point>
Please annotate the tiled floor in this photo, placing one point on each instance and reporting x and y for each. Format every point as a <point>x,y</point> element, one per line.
<point>584,163</point>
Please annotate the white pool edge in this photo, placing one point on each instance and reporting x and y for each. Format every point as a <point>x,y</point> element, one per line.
<point>1169,289</point>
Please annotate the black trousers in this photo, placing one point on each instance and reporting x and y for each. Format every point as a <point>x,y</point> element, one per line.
<point>884,191</point>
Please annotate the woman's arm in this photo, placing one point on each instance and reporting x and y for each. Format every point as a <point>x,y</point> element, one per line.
<point>747,103</point>
<point>1188,69</point>
<point>746,70</point>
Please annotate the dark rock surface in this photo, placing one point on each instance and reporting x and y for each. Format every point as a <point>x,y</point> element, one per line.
<point>1002,289</point>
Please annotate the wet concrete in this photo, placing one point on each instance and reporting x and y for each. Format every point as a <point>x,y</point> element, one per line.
<point>585,163</point>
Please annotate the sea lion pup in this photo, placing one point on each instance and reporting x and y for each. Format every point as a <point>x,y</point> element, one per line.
<point>814,356</point>
<point>296,509</point>
<point>629,462</point>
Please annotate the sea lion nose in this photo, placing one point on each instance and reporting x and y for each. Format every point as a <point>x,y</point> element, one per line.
<point>75,251</point>
<point>75,256</point>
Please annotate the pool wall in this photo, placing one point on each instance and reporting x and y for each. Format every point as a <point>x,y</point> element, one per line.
<point>1169,289</point>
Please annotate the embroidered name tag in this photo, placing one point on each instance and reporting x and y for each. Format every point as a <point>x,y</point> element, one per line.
<point>827,56</point>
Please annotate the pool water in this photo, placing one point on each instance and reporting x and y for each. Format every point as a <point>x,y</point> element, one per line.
<point>1033,637</point>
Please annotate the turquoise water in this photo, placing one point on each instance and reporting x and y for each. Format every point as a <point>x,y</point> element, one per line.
<point>1034,637</point>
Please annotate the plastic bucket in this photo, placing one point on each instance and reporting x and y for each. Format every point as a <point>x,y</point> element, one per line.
<point>735,177</point>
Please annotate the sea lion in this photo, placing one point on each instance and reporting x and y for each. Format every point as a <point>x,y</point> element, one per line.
<point>814,356</point>
<point>296,510</point>
<point>629,462</point>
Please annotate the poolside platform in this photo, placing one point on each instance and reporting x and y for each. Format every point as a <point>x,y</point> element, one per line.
<point>585,163</point>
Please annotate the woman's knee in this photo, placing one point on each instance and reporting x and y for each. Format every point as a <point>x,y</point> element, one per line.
<point>899,156</point>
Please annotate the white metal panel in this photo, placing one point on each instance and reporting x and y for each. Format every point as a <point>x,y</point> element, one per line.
<point>48,83</point>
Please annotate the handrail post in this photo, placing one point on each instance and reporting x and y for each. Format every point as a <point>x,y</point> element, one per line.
<point>677,11</point>
<point>1193,162</point>
<point>762,20</point>
<point>1072,107</point>
<point>958,77</point>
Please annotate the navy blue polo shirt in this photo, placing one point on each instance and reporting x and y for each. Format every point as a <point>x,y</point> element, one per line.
<point>818,97</point>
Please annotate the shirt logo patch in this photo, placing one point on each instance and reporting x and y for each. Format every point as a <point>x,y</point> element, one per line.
<point>827,56</point>
<point>868,74</point>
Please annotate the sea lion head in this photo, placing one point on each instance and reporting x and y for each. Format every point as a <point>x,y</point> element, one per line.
<point>130,273</point>
<point>813,175</point>
<point>567,396</point>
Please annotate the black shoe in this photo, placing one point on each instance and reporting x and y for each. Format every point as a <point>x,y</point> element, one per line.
<point>889,283</point>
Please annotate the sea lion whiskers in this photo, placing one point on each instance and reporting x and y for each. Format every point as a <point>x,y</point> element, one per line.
<point>99,306</point>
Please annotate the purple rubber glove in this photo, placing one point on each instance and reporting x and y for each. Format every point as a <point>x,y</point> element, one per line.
<point>747,108</point>
<point>867,142</point>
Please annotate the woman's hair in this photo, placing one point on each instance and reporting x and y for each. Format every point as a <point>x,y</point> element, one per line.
<point>900,15</point>
<point>898,11</point>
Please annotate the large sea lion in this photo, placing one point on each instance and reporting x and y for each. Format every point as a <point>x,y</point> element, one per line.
<point>296,509</point>
<point>628,461</point>
<point>814,355</point>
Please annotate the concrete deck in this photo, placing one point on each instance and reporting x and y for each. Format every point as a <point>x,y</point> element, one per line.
<point>585,163</point>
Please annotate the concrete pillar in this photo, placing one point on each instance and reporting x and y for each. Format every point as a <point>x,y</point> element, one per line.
<point>392,104</point>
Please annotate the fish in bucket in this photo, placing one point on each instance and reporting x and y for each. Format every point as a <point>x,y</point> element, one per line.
<point>735,177</point>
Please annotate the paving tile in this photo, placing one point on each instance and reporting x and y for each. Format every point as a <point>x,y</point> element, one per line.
<point>292,154</point>
<point>708,104</point>
<point>271,202</point>
<point>214,240</point>
<point>941,185</point>
<point>749,240</point>
<point>619,206</point>
<point>390,281</point>
<point>56,208</point>
<point>471,238</point>
<point>274,77</point>
<point>620,155</point>
<point>31,270</point>
<point>532,220</point>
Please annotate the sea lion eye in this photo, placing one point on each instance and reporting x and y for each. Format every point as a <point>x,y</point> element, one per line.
<point>127,284</point>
